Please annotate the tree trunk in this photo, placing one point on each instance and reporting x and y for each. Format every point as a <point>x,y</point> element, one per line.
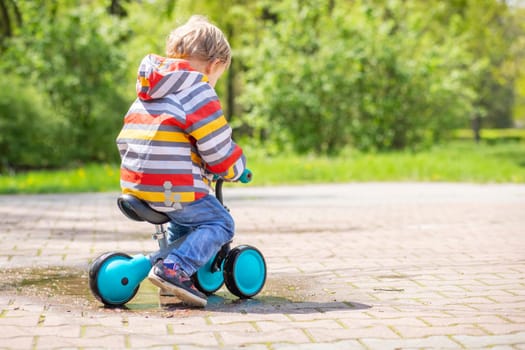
<point>230,83</point>
<point>476,128</point>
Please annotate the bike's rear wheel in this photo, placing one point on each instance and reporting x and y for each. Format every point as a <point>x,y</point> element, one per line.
<point>245,271</point>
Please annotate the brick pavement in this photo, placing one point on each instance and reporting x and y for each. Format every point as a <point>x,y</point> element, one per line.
<point>350,266</point>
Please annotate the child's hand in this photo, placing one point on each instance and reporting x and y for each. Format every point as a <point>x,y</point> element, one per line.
<point>245,177</point>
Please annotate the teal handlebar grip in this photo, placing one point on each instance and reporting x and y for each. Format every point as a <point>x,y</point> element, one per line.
<point>246,176</point>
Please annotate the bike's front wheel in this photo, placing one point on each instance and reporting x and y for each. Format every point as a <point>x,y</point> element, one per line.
<point>114,278</point>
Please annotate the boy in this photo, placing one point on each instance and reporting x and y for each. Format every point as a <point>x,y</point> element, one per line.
<point>174,140</point>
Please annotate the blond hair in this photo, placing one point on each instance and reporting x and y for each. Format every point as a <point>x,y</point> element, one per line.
<point>198,39</point>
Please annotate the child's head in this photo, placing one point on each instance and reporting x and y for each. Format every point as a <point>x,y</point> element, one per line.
<point>201,43</point>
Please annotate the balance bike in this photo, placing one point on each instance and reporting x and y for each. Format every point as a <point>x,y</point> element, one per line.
<point>115,277</point>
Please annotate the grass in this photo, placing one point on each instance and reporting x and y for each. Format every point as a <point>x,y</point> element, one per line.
<point>89,178</point>
<point>457,162</point>
<point>453,162</point>
<point>493,135</point>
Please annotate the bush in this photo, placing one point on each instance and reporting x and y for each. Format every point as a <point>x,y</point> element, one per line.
<point>356,74</point>
<point>76,61</point>
<point>30,128</point>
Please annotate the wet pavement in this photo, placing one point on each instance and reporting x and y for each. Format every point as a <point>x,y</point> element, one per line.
<point>350,266</point>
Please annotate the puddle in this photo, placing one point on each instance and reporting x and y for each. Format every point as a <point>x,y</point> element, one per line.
<point>61,285</point>
<point>68,289</point>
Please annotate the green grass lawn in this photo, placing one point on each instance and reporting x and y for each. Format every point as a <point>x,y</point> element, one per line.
<point>453,162</point>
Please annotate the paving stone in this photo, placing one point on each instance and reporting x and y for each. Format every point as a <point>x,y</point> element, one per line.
<point>471,342</point>
<point>433,342</point>
<point>350,266</point>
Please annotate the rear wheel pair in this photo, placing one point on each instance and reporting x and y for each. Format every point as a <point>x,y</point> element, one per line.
<point>243,270</point>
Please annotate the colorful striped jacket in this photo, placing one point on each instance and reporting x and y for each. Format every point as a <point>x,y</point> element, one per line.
<point>175,137</point>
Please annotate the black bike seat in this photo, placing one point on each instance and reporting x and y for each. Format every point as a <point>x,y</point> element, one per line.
<point>136,209</point>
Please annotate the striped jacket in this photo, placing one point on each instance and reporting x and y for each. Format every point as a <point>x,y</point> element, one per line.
<point>175,137</point>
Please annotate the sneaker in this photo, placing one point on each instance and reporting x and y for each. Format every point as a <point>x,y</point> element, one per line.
<point>177,282</point>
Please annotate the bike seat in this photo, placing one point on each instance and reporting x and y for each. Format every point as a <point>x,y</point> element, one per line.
<point>136,209</point>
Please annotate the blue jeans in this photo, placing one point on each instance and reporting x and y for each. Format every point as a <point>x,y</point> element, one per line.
<point>203,226</point>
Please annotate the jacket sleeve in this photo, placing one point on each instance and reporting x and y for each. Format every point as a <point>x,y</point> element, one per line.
<point>213,135</point>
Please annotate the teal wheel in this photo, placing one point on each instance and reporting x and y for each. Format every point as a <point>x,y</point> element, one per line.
<point>244,271</point>
<point>209,279</point>
<point>114,278</point>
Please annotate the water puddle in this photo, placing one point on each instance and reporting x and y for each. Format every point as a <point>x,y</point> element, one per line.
<point>68,289</point>
<point>63,285</point>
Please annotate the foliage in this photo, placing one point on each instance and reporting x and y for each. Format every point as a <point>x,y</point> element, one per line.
<point>458,161</point>
<point>88,178</point>
<point>450,162</point>
<point>492,135</point>
<point>364,75</point>
<point>494,33</point>
<point>311,75</point>
<point>10,18</point>
<point>28,126</point>
<point>71,58</point>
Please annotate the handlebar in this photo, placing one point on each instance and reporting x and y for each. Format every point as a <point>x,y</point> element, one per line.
<point>246,177</point>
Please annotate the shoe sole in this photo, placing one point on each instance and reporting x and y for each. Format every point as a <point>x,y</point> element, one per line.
<point>165,293</point>
<point>184,296</point>
<point>167,298</point>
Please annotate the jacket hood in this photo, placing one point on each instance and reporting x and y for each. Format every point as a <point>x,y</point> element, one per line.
<point>160,76</point>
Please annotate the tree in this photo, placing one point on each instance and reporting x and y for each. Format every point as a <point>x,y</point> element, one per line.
<point>237,19</point>
<point>494,32</point>
<point>364,74</point>
<point>76,64</point>
<point>10,17</point>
